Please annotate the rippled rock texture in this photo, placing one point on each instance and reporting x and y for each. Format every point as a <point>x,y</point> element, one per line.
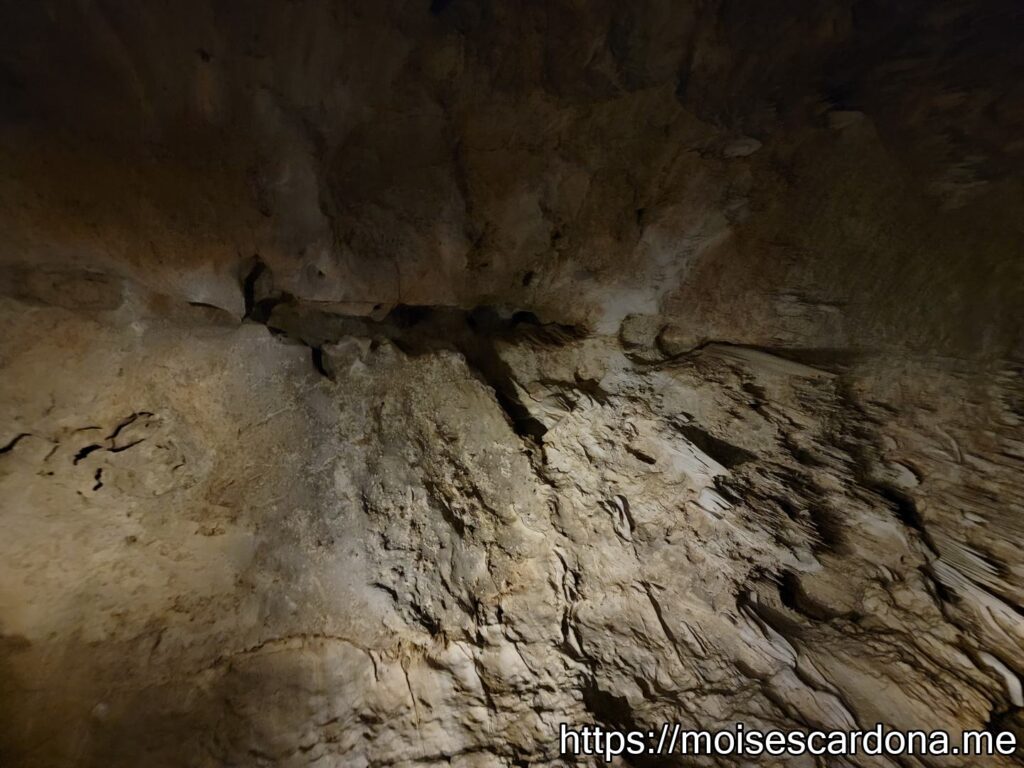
<point>388,383</point>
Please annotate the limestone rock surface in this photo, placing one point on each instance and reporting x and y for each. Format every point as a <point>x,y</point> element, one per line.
<point>386,384</point>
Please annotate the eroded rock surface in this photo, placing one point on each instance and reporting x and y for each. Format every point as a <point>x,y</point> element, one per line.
<point>386,384</point>
<point>824,174</point>
<point>233,559</point>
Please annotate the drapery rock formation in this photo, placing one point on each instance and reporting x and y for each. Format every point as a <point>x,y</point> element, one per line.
<point>385,384</point>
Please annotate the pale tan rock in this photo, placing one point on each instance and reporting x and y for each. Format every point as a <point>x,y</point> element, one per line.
<point>388,384</point>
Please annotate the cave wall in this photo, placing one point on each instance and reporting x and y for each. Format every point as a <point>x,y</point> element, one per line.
<point>811,174</point>
<point>388,383</point>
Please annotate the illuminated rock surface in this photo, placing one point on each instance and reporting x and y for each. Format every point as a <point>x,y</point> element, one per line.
<point>386,384</point>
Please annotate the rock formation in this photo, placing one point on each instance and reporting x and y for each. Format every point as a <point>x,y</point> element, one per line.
<point>385,384</point>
